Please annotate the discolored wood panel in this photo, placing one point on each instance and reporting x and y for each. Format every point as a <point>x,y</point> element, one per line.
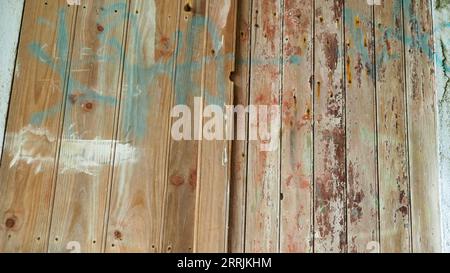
<point>422,126</point>
<point>361,147</point>
<point>239,156</point>
<point>183,172</point>
<point>212,207</point>
<point>85,157</point>
<point>33,126</point>
<point>135,219</point>
<point>336,152</point>
<point>329,128</point>
<point>263,176</point>
<point>296,227</point>
<point>395,229</point>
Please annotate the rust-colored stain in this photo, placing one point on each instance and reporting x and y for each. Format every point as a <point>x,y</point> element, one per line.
<point>88,106</point>
<point>100,28</point>
<point>331,47</point>
<point>176,180</point>
<point>118,235</point>
<point>193,178</point>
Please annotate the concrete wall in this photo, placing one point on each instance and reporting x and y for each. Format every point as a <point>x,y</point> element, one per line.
<point>442,45</point>
<point>10,19</point>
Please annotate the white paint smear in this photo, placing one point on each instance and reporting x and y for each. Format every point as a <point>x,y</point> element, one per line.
<point>225,10</point>
<point>36,147</point>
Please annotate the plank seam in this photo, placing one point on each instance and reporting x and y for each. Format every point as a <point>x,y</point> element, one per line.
<point>61,123</point>
<point>116,129</point>
<point>167,156</point>
<point>199,148</point>
<point>377,166</point>
<point>313,131</point>
<point>344,117</point>
<point>280,102</point>
<point>407,147</point>
<point>228,143</point>
<point>247,146</point>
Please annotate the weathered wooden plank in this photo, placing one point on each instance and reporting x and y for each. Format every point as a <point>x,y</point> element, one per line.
<point>362,182</point>
<point>392,151</point>
<point>212,208</point>
<point>238,184</point>
<point>136,208</point>
<point>263,186</point>
<point>86,144</point>
<point>10,23</point>
<point>183,172</point>
<point>329,128</point>
<point>26,172</point>
<point>422,126</point>
<point>297,137</point>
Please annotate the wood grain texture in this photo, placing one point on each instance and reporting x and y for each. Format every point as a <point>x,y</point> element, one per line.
<point>329,129</point>
<point>362,182</point>
<point>394,195</point>
<point>296,230</point>
<point>136,210</point>
<point>26,173</point>
<point>238,184</point>
<point>183,172</point>
<point>86,145</point>
<point>212,207</point>
<point>422,126</point>
<point>263,186</point>
<point>92,155</point>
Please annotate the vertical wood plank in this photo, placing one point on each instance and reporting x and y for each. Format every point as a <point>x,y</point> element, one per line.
<point>422,127</point>
<point>263,186</point>
<point>362,182</point>
<point>137,198</point>
<point>394,195</point>
<point>86,144</point>
<point>297,136</point>
<point>183,172</point>
<point>26,172</point>
<point>329,128</point>
<point>212,206</point>
<point>238,187</point>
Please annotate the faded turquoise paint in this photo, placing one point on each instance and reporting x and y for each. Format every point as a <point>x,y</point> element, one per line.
<point>59,65</point>
<point>390,34</point>
<point>358,46</point>
<point>420,40</point>
<point>139,78</point>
